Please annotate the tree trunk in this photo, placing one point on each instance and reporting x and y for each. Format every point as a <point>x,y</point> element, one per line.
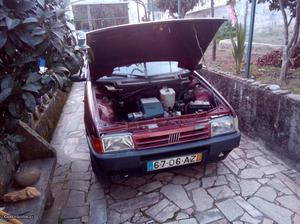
<point>285,55</point>
<point>284,65</point>
<point>214,46</point>
<point>290,44</point>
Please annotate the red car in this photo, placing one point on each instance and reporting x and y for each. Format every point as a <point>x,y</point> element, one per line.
<point>146,106</point>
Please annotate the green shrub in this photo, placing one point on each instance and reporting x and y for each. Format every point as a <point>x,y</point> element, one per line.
<point>31,30</point>
<point>226,31</point>
<point>238,46</point>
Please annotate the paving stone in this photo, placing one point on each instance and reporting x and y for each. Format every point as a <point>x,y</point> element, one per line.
<point>253,153</point>
<point>76,198</point>
<point>72,221</point>
<point>222,169</point>
<point>210,169</point>
<point>136,202</point>
<point>267,221</point>
<point>230,165</point>
<point>188,221</point>
<point>202,200</point>
<point>126,216</point>
<point>221,180</point>
<point>233,155</point>
<point>230,209</point>
<point>272,169</point>
<point>209,216</point>
<point>95,194</point>
<point>79,185</point>
<point>279,214</point>
<point>221,192</point>
<point>189,211</point>
<point>85,219</point>
<point>296,219</point>
<point>289,183</point>
<point>251,173</point>
<point>162,211</point>
<point>74,212</point>
<point>177,194</point>
<point>240,163</point>
<point>180,179</point>
<point>248,207</point>
<point>248,219</point>
<point>267,193</point>
<point>150,186</point>
<point>262,161</point>
<point>80,166</point>
<point>98,212</point>
<point>278,185</point>
<point>263,180</point>
<point>234,185</point>
<point>121,192</point>
<point>164,177</point>
<point>182,215</point>
<point>291,202</point>
<point>186,172</point>
<point>79,176</point>
<point>113,217</point>
<point>192,185</point>
<point>208,181</point>
<point>222,221</point>
<point>135,181</point>
<point>249,187</point>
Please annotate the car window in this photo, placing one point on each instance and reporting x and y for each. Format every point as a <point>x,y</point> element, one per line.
<point>149,69</point>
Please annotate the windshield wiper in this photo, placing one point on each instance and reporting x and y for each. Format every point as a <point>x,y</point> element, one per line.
<point>128,75</point>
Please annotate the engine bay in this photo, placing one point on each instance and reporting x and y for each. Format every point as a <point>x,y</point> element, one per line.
<point>153,100</point>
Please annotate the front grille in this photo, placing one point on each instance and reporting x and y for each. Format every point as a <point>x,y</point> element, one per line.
<point>171,137</point>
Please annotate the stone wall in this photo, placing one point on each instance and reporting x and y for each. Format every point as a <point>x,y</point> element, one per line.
<point>44,124</point>
<point>265,112</point>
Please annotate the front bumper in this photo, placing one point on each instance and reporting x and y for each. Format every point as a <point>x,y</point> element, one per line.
<point>125,162</point>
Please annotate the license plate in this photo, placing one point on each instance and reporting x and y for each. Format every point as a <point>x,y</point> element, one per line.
<point>173,162</point>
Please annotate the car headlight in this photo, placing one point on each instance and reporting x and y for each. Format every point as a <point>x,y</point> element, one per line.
<point>224,125</point>
<point>117,142</point>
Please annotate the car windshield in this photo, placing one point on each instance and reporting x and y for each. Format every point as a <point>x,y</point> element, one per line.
<point>148,69</point>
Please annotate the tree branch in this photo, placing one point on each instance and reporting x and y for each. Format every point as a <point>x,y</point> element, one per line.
<point>293,42</point>
<point>286,28</point>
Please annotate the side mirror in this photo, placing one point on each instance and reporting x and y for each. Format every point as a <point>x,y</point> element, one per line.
<point>76,78</point>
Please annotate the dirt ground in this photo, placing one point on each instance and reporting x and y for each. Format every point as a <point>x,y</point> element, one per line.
<point>267,75</point>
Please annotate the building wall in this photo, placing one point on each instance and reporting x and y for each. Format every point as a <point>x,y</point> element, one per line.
<point>95,16</point>
<point>268,24</point>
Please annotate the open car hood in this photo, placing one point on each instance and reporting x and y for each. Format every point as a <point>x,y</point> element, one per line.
<point>182,40</point>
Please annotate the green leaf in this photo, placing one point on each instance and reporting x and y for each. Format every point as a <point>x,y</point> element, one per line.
<point>24,5</point>
<point>3,38</point>
<point>7,82</point>
<point>41,3</point>
<point>4,94</point>
<point>38,31</point>
<point>60,68</point>
<point>16,138</point>
<point>29,100</point>
<point>26,37</point>
<point>11,23</point>
<point>33,77</point>
<point>30,20</point>
<point>24,60</point>
<point>15,108</point>
<point>31,87</point>
<point>59,80</point>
